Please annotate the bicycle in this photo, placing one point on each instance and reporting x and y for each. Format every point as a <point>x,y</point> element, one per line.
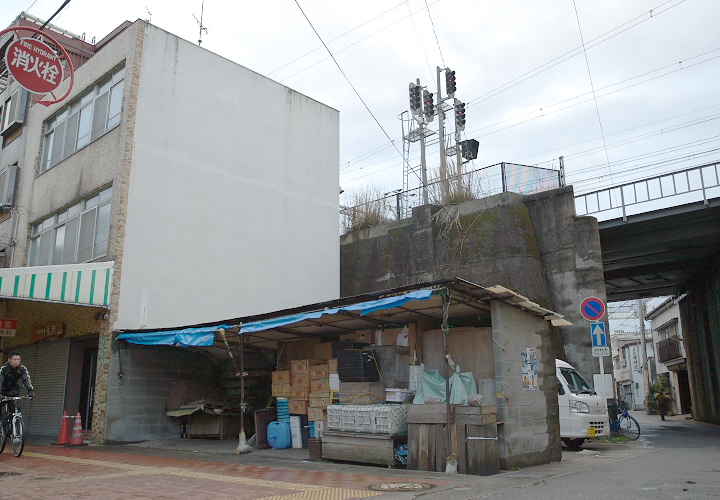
<point>11,424</point>
<point>626,425</point>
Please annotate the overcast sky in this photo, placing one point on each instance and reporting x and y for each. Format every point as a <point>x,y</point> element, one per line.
<point>654,64</point>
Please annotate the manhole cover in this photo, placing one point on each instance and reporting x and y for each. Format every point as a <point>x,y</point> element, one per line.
<point>5,474</point>
<point>400,486</point>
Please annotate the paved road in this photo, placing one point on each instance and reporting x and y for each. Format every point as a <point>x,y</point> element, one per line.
<point>676,459</point>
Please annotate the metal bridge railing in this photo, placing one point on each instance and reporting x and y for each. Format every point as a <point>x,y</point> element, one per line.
<point>700,183</point>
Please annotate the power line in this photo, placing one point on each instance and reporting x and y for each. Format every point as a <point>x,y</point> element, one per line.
<point>651,14</point>
<point>432,75</point>
<point>435,32</point>
<point>592,86</point>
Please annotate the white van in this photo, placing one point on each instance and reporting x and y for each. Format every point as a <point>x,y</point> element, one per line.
<point>582,412</point>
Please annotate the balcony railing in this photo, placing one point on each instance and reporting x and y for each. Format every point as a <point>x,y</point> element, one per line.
<point>669,349</point>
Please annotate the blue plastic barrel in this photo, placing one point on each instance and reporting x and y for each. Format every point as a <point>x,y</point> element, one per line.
<point>278,435</point>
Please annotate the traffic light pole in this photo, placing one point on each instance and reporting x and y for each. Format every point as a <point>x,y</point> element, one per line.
<point>423,162</point>
<point>441,137</point>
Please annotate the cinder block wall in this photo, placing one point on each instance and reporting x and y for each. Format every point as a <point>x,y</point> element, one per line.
<point>135,410</point>
<point>530,432</point>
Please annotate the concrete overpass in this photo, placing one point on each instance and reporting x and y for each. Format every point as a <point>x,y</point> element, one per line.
<point>661,236</point>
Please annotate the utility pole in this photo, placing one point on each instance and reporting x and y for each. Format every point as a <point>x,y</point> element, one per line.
<point>641,314</point>
<point>441,138</point>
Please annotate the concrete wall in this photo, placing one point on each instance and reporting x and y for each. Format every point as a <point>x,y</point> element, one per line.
<point>533,245</point>
<point>530,433</point>
<point>233,192</point>
<point>135,402</point>
<point>572,262</point>
<point>700,318</point>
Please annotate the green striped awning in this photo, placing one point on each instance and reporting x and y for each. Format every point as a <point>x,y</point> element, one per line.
<point>85,284</point>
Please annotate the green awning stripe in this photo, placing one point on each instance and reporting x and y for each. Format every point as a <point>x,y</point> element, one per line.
<point>64,286</point>
<point>17,286</point>
<point>32,285</point>
<point>77,287</point>
<point>107,286</point>
<point>92,285</point>
<point>47,286</point>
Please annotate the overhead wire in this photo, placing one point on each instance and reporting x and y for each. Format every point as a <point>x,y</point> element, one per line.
<point>427,61</point>
<point>592,86</point>
<point>651,14</point>
<point>435,32</point>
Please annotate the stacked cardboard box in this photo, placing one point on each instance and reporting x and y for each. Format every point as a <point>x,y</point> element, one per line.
<point>321,393</point>
<point>362,393</point>
<point>300,385</point>
<point>281,384</point>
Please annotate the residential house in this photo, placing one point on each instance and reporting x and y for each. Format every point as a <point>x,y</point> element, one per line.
<point>171,187</point>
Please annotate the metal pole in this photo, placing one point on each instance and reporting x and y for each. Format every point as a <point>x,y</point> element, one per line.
<point>441,138</point>
<point>459,160</point>
<point>423,162</point>
<point>561,175</point>
<point>641,314</point>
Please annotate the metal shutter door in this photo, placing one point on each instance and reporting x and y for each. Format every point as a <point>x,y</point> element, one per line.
<point>47,363</point>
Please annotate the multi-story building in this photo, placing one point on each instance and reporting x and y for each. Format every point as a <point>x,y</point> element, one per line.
<point>171,187</point>
<point>671,359</point>
<point>628,367</point>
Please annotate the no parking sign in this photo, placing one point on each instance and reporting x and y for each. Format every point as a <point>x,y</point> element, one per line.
<point>592,309</point>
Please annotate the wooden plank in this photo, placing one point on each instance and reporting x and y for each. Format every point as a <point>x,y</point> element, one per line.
<point>440,448</point>
<point>413,447</point>
<point>474,410</point>
<point>461,448</point>
<point>357,447</point>
<point>475,419</point>
<point>428,418</point>
<point>423,462</point>
<point>482,454</point>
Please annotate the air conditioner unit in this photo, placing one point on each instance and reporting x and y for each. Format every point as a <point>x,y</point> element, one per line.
<point>7,186</point>
<point>14,112</point>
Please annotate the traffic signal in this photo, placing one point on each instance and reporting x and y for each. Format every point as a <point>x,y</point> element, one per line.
<point>469,149</point>
<point>415,104</point>
<point>459,115</point>
<point>428,105</point>
<point>450,84</point>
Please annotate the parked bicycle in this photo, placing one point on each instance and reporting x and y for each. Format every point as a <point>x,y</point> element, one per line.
<point>626,425</point>
<point>11,424</point>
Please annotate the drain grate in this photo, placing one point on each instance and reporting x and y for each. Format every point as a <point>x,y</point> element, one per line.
<point>6,474</point>
<point>400,486</point>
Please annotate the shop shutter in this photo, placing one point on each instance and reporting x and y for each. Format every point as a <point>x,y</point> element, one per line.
<point>47,363</point>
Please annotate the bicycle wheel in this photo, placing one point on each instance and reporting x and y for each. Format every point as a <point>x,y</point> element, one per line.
<point>3,435</point>
<point>18,436</point>
<point>630,428</point>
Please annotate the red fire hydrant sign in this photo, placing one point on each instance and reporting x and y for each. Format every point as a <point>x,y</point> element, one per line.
<point>34,65</point>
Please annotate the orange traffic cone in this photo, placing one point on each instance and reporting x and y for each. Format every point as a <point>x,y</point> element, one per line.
<point>77,434</point>
<point>64,436</point>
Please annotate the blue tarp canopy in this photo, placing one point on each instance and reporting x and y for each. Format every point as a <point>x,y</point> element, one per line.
<point>205,336</point>
<point>187,337</point>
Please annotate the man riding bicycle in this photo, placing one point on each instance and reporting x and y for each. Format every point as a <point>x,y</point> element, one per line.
<point>12,374</point>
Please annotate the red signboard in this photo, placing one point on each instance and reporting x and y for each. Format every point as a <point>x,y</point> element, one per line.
<point>8,327</point>
<point>592,309</point>
<point>34,65</point>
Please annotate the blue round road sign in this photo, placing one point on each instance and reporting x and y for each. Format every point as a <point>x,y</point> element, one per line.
<point>592,309</point>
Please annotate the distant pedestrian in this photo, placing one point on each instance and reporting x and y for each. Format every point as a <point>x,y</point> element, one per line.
<point>663,402</point>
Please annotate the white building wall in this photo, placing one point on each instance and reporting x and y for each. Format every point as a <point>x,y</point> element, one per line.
<point>232,204</point>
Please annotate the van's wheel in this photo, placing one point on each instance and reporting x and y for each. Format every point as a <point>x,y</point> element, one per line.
<point>573,444</point>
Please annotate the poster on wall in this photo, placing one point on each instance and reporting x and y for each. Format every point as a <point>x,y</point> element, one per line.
<point>529,369</point>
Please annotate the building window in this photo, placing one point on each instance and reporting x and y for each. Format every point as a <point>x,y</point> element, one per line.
<point>83,121</point>
<point>78,234</point>
<point>667,332</point>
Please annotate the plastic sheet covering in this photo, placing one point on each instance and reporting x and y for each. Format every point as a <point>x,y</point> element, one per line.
<point>462,386</point>
<point>431,385</point>
<point>187,337</point>
<point>363,307</point>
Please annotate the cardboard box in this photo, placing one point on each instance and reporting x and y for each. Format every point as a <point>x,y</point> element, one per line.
<point>319,385</point>
<point>319,372</point>
<point>332,366</point>
<point>281,390</point>
<point>321,394</point>
<point>315,414</point>
<point>362,393</point>
<point>319,402</point>
<point>298,406</point>
<point>280,377</point>
<point>323,350</point>
<point>300,380</point>
<point>300,393</point>
<point>303,365</point>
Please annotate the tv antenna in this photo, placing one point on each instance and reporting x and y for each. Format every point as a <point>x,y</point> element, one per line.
<point>149,19</point>
<point>200,23</point>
